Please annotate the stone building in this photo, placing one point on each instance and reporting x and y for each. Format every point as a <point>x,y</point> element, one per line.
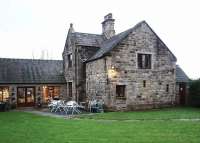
<point>130,70</point>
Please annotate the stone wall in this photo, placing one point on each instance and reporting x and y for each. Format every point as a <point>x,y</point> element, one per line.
<point>96,79</point>
<point>69,72</point>
<point>123,64</point>
<point>77,73</point>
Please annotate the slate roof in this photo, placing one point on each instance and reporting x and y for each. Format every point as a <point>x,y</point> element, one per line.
<point>109,44</point>
<point>86,39</point>
<point>31,71</point>
<point>180,75</point>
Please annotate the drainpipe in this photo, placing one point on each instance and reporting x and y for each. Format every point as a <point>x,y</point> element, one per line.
<point>106,70</point>
<point>107,90</point>
<point>76,98</point>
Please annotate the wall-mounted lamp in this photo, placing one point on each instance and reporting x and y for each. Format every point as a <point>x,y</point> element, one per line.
<point>112,72</point>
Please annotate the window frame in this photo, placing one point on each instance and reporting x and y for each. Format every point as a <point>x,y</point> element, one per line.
<point>69,60</point>
<point>50,92</point>
<point>119,89</point>
<point>4,90</point>
<point>142,62</point>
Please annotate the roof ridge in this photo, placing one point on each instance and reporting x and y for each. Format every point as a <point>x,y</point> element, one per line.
<point>109,44</point>
<point>88,33</point>
<point>115,39</point>
<point>29,59</point>
<point>160,40</point>
<point>114,35</point>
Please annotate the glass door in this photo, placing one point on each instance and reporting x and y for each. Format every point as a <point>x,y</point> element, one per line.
<point>29,95</point>
<point>21,93</point>
<point>25,96</point>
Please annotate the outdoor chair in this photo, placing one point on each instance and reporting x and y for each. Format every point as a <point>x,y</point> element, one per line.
<point>73,107</point>
<point>62,107</point>
<point>53,105</point>
<point>95,106</point>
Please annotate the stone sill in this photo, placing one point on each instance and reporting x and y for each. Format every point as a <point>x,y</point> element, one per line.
<point>120,98</point>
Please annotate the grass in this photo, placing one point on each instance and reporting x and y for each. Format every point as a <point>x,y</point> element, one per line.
<point>156,114</point>
<point>115,127</point>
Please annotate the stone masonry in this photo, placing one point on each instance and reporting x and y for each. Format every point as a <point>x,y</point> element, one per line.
<point>113,61</point>
<point>123,58</point>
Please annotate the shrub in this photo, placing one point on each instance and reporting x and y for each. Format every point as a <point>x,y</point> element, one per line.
<point>194,91</point>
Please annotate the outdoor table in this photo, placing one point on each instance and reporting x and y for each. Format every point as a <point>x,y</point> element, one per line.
<point>70,107</point>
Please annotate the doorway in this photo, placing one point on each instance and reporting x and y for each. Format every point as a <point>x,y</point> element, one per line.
<point>70,89</point>
<point>25,96</point>
<point>182,93</point>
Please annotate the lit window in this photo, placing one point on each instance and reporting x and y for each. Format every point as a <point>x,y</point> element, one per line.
<point>50,92</point>
<point>144,61</point>
<point>4,94</point>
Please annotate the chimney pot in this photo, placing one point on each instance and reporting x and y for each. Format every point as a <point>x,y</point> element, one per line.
<point>108,26</point>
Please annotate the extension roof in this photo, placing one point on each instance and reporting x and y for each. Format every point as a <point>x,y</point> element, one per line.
<point>28,71</point>
<point>180,75</point>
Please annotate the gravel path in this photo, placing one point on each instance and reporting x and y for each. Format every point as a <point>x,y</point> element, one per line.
<point>42,112</point>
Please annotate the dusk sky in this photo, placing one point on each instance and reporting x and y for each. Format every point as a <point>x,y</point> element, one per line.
<point>28,27</point>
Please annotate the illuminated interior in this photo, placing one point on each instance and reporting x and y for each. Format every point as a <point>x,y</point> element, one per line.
<point>50,92</point>
<point>4,94</point>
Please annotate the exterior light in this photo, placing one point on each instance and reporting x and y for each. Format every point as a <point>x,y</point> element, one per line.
<point>112,72</point>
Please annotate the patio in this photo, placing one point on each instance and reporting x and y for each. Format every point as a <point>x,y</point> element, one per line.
<point>63,109</point>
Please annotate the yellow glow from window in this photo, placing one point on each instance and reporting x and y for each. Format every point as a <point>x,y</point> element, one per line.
<point>4,94</point>
<point>44,87</point>
<point>50,92</point>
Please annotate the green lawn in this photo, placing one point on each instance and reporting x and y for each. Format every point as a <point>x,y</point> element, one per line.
<point>115,127</point>
<point>156,114</point>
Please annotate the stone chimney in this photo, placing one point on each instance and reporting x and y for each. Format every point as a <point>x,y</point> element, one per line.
<point>108,26</point>
<point>71,29</point>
